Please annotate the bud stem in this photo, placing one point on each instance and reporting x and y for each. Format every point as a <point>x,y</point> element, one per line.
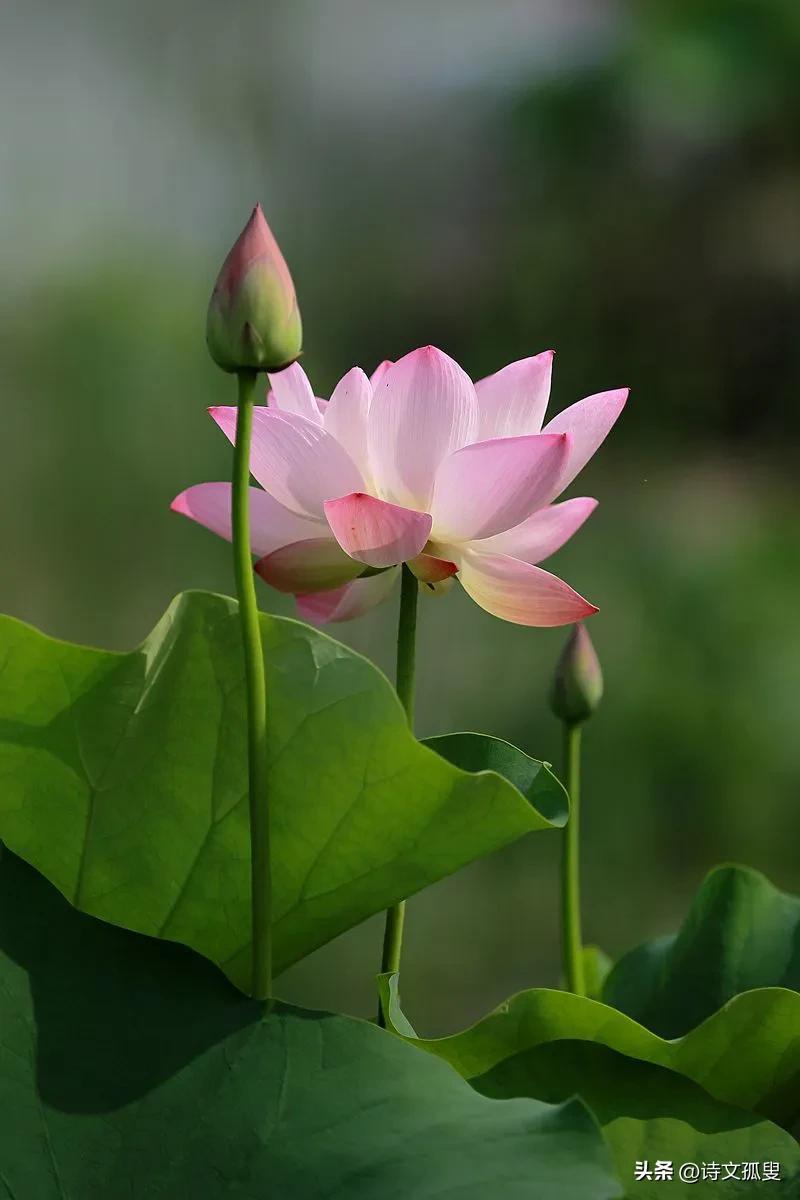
<point>261,874</point>
<point>571,937</point>
<point>404,682</point>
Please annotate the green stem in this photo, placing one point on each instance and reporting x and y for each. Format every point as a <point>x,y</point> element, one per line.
<point>260,869</point>
<point>407,642</point>
<point>572,941</point>
<point>404,682</point>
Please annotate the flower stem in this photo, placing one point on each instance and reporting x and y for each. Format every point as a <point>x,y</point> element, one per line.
<point>407,643</point>
<point>404,682</point>
<point>260,870</point>
<point>572,941</point>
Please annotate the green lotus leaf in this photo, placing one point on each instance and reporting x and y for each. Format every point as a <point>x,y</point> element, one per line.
<point>131,1070</point>
<point>123,780</point>
<point>596,968</point>
<point>741,933</point>
<point>746,1055</point>
<point>478,752</point>
<point>649,1115</point>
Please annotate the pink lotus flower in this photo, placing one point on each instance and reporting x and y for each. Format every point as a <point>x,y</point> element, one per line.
<point>416,465</point>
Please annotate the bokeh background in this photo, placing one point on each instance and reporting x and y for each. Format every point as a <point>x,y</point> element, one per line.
<point>618,180</point>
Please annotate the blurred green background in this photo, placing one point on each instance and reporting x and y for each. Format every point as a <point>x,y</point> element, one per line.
<point>620,181</point>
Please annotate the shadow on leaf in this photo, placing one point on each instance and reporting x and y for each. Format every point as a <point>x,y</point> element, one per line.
<point>116,1013</point>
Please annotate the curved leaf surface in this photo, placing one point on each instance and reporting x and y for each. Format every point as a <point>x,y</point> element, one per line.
<point>478,752</point>
<point>747,1054</point>
<point>741,933</point>
<point>123,780</point>
<point>596,969</point>
<point>649,1114</point>
<point>550,1045</point>
<point>130,1070</point>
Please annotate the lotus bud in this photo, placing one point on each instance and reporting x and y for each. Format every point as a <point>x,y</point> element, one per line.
<point>253,320</point>
<point>578,684</point>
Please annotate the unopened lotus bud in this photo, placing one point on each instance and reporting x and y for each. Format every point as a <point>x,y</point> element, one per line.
<point>578,684</point>
<point>253,319</point>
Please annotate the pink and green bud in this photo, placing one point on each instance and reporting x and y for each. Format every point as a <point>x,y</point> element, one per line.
<point>253,320</point>
<point>578,684</point>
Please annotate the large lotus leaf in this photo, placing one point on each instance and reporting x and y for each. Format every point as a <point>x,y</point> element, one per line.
<point>740,933</point>
<point>550,1045</point>
<point>649,1114</point>
<point>131,1070</point>
<point>123,780</point>
<point>747,1054</point>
